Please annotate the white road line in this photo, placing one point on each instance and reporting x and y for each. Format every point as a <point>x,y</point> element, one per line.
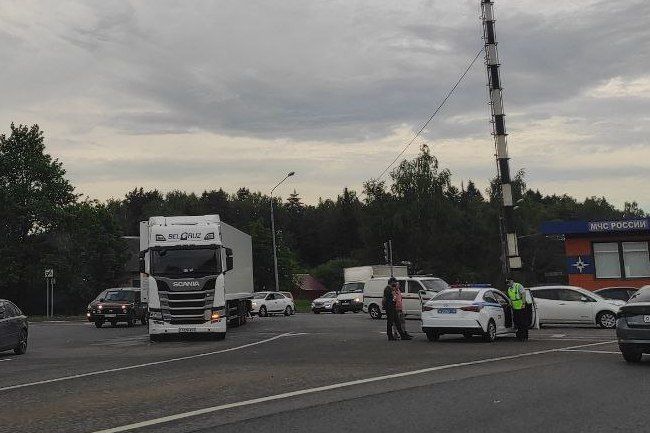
<point>7,359</point>
<point>207,410</point>
<point>590,351</point>
<point>147,364</point>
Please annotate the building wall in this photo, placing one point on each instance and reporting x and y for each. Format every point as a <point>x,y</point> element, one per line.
<point>581,248</point>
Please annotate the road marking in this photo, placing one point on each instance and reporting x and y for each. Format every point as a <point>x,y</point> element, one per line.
<point>147,364</point>
<point>213,409</point>
<point>590,351</point>
<point>7,359</point>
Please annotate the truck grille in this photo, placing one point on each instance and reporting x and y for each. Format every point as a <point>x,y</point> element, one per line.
<point>185,306</point>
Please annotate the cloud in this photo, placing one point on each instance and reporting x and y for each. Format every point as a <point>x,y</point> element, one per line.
<point>233,93</point>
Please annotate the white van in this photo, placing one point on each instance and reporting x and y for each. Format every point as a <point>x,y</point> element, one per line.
<point>415,290</point>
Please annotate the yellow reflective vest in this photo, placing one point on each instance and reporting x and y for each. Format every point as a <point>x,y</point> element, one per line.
<point>514,293</point>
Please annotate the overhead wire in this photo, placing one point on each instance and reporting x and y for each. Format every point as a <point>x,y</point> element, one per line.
<point>435,112</point>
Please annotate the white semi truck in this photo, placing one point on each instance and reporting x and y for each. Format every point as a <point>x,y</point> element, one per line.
<point>196,275</point>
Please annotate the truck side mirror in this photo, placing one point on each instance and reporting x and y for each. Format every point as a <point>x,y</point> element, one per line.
<point>229,259</point>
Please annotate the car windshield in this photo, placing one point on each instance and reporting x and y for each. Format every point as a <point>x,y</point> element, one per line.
<point>260,295</point>
<point>640,296</point>
<point>435,284</point>
<point>352,288</point>
<point>457,295</point>
<point>329,295</point>
<point>197,262</point>
<point>120,295</point>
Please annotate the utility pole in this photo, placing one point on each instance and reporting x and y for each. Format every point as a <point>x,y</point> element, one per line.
<point>509,247</point>
<point>275,251</point>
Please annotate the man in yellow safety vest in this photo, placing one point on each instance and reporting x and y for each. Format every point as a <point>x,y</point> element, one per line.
<point>517,295</point>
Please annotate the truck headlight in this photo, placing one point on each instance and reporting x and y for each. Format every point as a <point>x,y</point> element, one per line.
<point>357,299</point>
<point>216,317</point>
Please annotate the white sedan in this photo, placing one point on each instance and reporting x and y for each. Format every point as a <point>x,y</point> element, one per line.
<point>569,305</point>
<point>470,311</point>
<point>266,303</point>
<point>324,303</point>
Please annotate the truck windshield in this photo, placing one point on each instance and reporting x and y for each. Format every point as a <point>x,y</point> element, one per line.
<point>435,285</point>
<point>183,263</point>
<point>352,288</point>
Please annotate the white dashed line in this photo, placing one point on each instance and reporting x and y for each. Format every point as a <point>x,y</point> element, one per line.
<point>147,364</point>
<point>7,359</point>
<point>590,351</point>
<point>213,409</point>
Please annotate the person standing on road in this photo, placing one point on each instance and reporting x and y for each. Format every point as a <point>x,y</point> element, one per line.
<point>399,308</point>
<point>517,295</point>
<point>392,319</point>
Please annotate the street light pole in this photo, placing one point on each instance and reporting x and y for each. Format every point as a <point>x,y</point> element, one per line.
<point>275,252</point>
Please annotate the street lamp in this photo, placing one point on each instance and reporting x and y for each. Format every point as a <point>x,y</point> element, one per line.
<point>275,253</point>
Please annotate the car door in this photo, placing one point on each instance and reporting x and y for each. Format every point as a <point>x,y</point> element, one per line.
<point>547,301</point>
<point>281,301</point>
<point>270,302</point>
<point>576,307</point>
<point>495,310</point>
<point>503,300</point>
<point>412,298</point>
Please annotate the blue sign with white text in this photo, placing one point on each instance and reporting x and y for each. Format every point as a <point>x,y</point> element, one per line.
<point>583,264</point>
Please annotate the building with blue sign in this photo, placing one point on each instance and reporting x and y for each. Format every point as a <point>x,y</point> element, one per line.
<point>605,253</point>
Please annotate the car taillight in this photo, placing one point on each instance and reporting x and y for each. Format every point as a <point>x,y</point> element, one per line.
<point>473,308</point>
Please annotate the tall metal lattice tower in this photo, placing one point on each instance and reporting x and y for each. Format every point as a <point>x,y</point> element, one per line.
<point>511,258</point>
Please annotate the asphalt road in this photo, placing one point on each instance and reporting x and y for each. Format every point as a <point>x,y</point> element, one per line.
<point>319,373</point>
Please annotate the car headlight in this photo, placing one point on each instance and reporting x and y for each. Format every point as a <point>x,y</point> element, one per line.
<point>357,299</point>
<point>99,307</point>
<point>254,304</point>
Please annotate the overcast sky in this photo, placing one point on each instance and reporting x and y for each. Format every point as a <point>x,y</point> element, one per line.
<point>197,95</point>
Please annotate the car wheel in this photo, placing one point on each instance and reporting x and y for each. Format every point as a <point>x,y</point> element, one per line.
<point>99,323</point>
<point>631,355</point>
<point>432,335</point>
<point>374,312</point>
<point>491,334</point>
<point>130,321</point>
<point>263,312</point>
<point>21,348</point>
<point>287,311</point>
<point>154,338</point>
<point>316,311</point>
<point>606,320</point>
<point>335,309</point>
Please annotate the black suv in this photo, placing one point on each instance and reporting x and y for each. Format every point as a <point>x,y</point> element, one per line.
<point>119,305</point>
<point>13,328</point>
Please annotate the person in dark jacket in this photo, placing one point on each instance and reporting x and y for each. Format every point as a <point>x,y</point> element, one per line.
<point>392,317</point>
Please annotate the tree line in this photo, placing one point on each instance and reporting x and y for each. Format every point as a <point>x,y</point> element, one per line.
<point>436,226</point>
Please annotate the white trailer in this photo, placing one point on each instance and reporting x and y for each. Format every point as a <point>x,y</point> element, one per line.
<point>196,274</point>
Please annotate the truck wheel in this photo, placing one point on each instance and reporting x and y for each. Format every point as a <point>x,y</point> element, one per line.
<point>287,311</point>
<point>99,323</point>
<point>374,312</point>
<point>144,320</point>
<point>263,312</point>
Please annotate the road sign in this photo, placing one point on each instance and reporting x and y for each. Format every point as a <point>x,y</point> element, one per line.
<point>49,273</point>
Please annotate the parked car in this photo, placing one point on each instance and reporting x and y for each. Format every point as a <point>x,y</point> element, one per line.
<point>470,311</point>
<point>267,303</point>
<point>120,305</point>
<point>325,303</point>
<point>14,329</point>
<point>620,293</point>
<point>415,290</point>
<point>633,326</point>
<point>91,307</point>
<point>574,305</point>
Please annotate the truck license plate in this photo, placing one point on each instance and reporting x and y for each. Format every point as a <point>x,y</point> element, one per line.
<point>186,329</point>
<point>646,318</point>
<point>446,310</point>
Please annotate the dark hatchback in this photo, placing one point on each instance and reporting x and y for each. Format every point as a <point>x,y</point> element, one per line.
<point>633,326</point>
<point>13,328</point>
<point>119,305</point>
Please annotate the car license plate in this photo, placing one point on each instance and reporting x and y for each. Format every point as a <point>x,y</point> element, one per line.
<point>646,318</point>
<point>109,315</point>
<point>186,329</point>
<point>446,311</point>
